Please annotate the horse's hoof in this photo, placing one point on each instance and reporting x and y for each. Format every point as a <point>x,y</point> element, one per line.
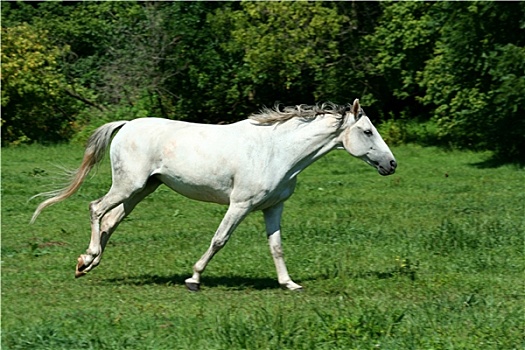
<point>79,274</point>
<point>294,287</point>
<point>80,269</point>
<point>193,287</point>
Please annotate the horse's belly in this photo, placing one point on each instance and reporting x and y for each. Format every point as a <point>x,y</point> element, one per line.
<point>214,193</point>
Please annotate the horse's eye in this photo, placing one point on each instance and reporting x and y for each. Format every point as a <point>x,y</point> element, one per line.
<point>368,132</point>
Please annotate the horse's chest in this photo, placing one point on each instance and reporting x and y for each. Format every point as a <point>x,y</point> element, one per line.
<point>278,194</point>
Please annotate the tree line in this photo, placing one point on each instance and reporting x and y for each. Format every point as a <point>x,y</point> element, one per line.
<point>448,73</point>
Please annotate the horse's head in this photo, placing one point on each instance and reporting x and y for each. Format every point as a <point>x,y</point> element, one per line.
<point>361,139</point>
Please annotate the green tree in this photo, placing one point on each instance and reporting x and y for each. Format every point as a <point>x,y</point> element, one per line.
<point>34,104</point>
<point>476,77</point>
<point>402,41</point>
<point>351,75</point>
<point>461,65</point>
<point>284,49</point>
<point>86,28</point>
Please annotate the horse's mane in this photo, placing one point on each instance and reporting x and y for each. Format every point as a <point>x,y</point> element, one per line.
<point>268,116</point>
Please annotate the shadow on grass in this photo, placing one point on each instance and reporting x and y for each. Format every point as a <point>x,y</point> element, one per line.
<point>498,160</point>
<point>234,282</point>
<point>495,162</point>
<point>242,282</point>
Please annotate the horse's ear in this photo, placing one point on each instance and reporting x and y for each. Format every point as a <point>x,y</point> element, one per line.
<point>355,108</point>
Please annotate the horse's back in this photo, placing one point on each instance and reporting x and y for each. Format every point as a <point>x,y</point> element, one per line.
<point>199,161</point>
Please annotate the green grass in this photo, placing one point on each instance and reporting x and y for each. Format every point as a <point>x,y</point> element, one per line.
<point>429,258</point>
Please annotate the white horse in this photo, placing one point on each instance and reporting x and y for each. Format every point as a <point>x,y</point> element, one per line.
<point>249,165</point>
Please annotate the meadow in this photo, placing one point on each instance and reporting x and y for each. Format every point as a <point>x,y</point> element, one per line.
<point>431,257</point>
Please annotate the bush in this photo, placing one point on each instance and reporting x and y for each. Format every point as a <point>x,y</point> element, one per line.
<point>35,106</point>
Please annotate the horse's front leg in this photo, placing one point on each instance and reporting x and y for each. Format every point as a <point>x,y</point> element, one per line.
<point>235,214</point>
<point>272,218</point>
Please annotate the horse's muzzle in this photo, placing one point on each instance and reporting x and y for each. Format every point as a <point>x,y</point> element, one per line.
<point>388,170</point>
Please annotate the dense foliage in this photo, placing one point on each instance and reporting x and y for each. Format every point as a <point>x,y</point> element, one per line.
<point>448,72</point>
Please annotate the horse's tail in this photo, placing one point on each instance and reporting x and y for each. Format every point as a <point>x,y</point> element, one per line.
<point>95,150</point>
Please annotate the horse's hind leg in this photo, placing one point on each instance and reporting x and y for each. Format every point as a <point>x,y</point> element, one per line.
<point>114,217</point>
<point>106,213</point>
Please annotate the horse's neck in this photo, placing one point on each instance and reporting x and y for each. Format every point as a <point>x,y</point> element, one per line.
<point>302,143</point>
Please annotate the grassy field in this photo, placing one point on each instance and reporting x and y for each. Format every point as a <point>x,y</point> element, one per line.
<point>429,258</point>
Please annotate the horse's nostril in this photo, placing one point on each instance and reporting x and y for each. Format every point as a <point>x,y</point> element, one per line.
<point>393,164</point>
